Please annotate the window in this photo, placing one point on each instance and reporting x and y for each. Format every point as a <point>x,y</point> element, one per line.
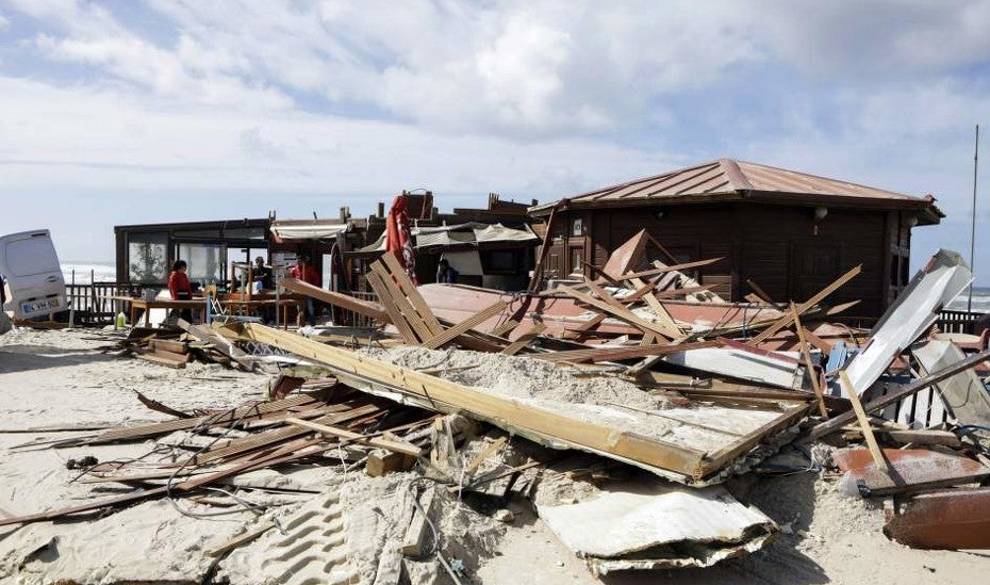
<point>502,261</point>
<point>577,261</point>
<point>204,260</point>
<point>147,257</point>
<point>31,255</point>
<point>577,227</point>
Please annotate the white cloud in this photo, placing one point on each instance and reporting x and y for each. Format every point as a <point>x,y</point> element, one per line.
<point>526,97</point>
<point>4,22</point>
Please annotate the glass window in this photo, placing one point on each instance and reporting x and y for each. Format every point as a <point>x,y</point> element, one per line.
<point>503,261</point>
<point>147,257</point>
<point>197,234</point>
<point>31,255</point>
<point>205,261</point>
<point>577,227</point>
<point>254,233</point>
<point>577,261</point>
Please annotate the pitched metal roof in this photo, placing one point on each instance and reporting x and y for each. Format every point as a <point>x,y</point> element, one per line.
<point>731,179</point>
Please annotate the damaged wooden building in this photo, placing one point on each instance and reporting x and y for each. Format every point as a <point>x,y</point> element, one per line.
<point>784,232</point>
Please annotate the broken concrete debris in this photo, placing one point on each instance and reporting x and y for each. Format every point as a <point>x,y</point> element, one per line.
<point>621,410</point>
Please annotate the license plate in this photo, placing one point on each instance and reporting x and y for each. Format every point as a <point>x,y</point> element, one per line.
<point>42,306</point>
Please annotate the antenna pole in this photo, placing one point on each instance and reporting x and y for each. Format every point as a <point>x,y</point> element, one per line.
<point>972,233</point>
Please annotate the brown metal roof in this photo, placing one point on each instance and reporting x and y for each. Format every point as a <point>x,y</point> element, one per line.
<point>731,179</point>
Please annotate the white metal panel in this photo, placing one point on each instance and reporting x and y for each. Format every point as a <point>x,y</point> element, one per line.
<point>619,527</point>
<point>945,276</point>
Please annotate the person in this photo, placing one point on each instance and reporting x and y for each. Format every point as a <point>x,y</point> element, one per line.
<point>305,272</point>
<point>179,286</point>
<point>262,273</point>
<point>446,273</point>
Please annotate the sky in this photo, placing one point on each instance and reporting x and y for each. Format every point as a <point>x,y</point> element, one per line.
<point>151,110</point>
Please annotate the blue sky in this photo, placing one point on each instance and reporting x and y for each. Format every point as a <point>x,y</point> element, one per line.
<point>144,111</point>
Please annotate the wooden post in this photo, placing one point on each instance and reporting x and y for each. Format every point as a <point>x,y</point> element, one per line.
<point>812,373</point>
<point>864,423</point>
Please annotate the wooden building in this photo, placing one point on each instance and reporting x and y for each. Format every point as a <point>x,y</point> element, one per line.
<point>789,232</point>
<point>145,253</point>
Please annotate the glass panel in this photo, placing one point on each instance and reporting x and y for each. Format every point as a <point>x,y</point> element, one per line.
<point>244,233</point>
<point>198,234</point>
<point>147,257</point>
<point>205,261</point>
<point>30,256</point>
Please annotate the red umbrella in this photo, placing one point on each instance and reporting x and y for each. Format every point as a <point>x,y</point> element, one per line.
<point>398,239</point>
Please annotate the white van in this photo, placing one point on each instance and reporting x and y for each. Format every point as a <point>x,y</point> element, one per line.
<point>35,286</point>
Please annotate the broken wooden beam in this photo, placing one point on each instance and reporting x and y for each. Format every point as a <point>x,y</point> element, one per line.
<point>803,307</point>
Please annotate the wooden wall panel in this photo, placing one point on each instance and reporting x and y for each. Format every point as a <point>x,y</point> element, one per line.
<point>783,249</point>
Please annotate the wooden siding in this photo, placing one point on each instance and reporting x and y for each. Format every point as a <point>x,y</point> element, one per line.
<point>781,248</point>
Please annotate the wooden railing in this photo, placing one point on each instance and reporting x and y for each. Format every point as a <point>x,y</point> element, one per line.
<point>959,321</point>
<point>344,317</point>
<point>89,304</point>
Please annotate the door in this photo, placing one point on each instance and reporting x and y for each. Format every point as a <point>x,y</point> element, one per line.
<point>813,267</point>
<point>30,265</point>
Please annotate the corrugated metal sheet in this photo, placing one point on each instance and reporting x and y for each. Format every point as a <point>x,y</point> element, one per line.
<point>731,177</point>
<point>626,527</point>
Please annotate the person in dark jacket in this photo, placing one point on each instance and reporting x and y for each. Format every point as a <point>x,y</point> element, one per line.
<point>446,273</point>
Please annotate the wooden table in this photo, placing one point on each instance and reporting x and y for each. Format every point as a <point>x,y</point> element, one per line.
<point>199,303</point>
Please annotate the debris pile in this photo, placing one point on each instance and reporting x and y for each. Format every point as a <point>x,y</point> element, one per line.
<point>624,410</point>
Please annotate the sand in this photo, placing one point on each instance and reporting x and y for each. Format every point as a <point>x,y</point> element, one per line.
<point>52,378</point>
<point>833,538</point>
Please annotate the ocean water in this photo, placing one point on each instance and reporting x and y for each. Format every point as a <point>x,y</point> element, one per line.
<point>981,300</point>
<point>99,271</point>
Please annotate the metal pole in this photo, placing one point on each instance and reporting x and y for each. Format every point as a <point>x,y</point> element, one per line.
<point>972,234</point>
<point>72,300</point>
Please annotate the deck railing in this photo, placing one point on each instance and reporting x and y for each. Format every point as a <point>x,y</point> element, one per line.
<point>89,304</point>
<point>950,321</point>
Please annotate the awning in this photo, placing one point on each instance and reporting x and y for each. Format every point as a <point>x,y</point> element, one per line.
<point>293,230</point>
<point>462,234</point>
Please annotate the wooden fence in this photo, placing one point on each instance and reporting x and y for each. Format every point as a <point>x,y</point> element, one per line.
<point>89,304</point>
<point>959,321</point>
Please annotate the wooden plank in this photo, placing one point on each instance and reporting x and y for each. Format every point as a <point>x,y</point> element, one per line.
<point>803,307</point>
<point>524,339</point>
<point>504,329</point>
<point>674,268</point>
<point>394,446</point>
<point>249,412</point>
<point>168,355</point>
<point>395,314</point>
<point>654,303</point>
<point>538,424</point>
<point>812,372</point>
<point>622,314</point>
<point>837,422</point>
<point>273,437</point>
<point>728,454</point>
<point>169,345</point>
<point>366,308</point>
<point>398,305</point>
<point>409,289</point>
<point>219,343</point>
<point>161,361</point>
<point>864,422</point>
<point>466,325</point>
<point>604,354</point>
<point>819,343</point>
<point>762,294</point>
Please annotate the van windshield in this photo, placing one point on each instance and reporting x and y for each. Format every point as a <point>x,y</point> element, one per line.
<point>30,256</point>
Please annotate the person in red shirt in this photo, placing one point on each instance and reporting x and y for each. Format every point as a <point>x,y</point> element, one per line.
<point>179,286</point>
<point>305,272</point>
